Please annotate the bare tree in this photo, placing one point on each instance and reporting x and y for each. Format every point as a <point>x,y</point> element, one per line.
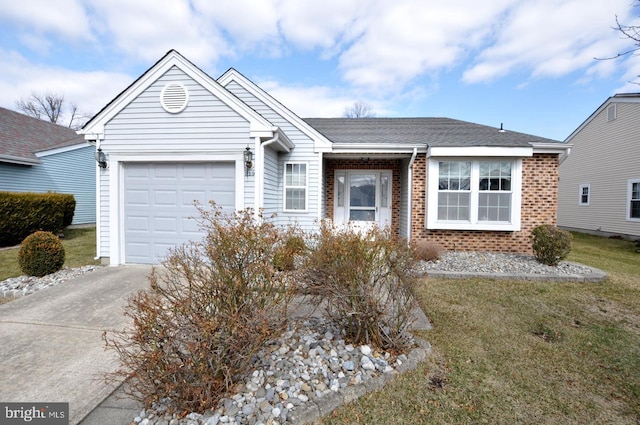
<point>359,109</point>
<point>630,32</point>
<point>51,107</point>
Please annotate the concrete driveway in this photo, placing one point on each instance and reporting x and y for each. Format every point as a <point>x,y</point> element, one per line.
<point>51,347</point>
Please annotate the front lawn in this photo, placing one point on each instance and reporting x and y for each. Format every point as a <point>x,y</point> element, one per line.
<point>79,245</point>
<point>513,352</point>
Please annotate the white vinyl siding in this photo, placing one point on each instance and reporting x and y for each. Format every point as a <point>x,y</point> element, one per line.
<point>303,152</point>
<point>605,154</point>
<point>474,194</point>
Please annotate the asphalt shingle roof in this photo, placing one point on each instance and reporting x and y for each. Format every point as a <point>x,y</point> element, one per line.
<point>21,136</point>
<point>415,131</point>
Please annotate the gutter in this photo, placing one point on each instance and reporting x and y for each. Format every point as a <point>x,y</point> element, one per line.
<point>259,175</point>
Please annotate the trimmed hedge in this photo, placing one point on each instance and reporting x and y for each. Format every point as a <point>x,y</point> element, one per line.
<point>41,254</point>
<point>22,214</point>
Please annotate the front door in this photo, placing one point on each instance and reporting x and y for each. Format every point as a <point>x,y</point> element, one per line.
<point>363,198</point>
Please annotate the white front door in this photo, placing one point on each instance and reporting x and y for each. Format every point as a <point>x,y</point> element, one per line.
<point>362,198</point>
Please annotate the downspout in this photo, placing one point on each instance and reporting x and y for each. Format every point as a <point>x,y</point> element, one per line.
<point>96,143</point>
<point>259,198</point>
<point>410,190</point>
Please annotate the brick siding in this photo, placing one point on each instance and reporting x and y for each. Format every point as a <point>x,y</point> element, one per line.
<point>539,206</point>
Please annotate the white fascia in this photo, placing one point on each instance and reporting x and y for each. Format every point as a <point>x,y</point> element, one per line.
<point>480,151</point>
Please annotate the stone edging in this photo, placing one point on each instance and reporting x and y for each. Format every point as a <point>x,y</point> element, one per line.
<point>314,409</point>
<point>595,276</point>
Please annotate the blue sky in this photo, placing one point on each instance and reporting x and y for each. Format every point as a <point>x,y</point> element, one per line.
<point>527,64</point>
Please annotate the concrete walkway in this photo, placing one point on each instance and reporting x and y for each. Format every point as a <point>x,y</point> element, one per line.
<point>51,346</point>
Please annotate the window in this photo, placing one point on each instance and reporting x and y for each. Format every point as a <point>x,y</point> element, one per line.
<point>611,112</point>
<point>295,187</point>
<point>584,194</point>
<point>474,194</point>
<point>634,200</point>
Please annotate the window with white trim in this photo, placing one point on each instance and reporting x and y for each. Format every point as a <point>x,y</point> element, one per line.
<point>584,194</point>
<point>633,202</point>
<point>295,186</point>
<point>470,194</point>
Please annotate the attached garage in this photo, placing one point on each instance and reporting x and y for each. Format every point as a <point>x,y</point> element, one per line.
<point>159,210</point>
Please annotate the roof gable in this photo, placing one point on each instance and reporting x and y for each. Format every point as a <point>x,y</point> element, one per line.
<point>232,75</point>
<point>617,98</point>
<point>94,129</point>
<point>22,136</point>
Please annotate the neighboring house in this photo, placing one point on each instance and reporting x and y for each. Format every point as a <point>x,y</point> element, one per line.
<point>39,156</point>
<point>176,135</point>
<point>600,183</point>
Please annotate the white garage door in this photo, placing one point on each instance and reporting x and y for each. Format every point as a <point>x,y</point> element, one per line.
<point>158,204</point>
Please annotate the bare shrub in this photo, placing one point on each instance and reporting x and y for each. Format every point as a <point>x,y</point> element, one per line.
<point>210,307</point>
<point>367,282</point>
<point>550,244</point>
<point>427,250</point>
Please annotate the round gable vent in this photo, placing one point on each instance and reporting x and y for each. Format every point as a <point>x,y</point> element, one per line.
<point>174,98</point>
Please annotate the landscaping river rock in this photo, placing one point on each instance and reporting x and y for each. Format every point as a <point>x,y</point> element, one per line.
<point>309,362</point>
<point>26,285</point>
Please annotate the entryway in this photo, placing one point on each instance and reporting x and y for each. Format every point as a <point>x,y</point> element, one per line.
<point>363,198</point>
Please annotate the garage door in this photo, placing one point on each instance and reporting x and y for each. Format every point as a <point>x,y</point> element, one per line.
<point>158,204</point>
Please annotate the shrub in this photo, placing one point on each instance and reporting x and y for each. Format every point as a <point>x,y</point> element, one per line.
<point>367,283</point>
<point>41,254</point>
<point>550,244</point>
<point>427,250</point>
<point>208,310</point>
<point>286,253</point>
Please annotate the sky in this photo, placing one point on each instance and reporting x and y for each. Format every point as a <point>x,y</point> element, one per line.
<point>528,64</point>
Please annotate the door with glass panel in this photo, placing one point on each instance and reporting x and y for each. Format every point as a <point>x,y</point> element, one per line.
<point>363,198</point>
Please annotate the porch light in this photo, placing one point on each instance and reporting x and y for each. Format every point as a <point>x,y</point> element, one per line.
<point>248,159</point>
<point>101,158</point>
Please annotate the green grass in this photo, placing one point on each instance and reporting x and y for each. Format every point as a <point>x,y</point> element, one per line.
<point>79,245</point>
<point>513,352</point>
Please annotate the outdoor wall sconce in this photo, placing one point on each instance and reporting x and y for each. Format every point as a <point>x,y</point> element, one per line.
<point>101,158</point>
<point>248,160</point>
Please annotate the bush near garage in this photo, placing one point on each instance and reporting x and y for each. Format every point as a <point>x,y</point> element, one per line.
<point>210,307</point>
<point>21,214</point>
<point>41,254</point>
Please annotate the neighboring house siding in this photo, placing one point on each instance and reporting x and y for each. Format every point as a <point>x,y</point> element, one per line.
<point>303,152</point>
<point>71,172</point>
<point>539,203</point>
<point>605,155</point>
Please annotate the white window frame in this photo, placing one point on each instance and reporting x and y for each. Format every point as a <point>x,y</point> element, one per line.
<point>630,184</point>
<point>305,187</point>
<point>580,194</point>
<point>473,223</point>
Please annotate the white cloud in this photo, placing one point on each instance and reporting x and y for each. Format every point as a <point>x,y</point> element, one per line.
<point>549,38</point>
<point>90,91</point>
<point>65,18</point>
<point>146,29</point>
<point>407,39</point>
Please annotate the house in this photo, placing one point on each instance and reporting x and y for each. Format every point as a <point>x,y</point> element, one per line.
<point>600,186</point>
<point>39,156</point>
<point>176,135</point>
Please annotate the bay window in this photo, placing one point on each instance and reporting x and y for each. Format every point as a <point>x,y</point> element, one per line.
<point>474,194</point>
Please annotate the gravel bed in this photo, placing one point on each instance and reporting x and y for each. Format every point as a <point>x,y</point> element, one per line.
<point>26,285</point>
<point>482,262</point>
